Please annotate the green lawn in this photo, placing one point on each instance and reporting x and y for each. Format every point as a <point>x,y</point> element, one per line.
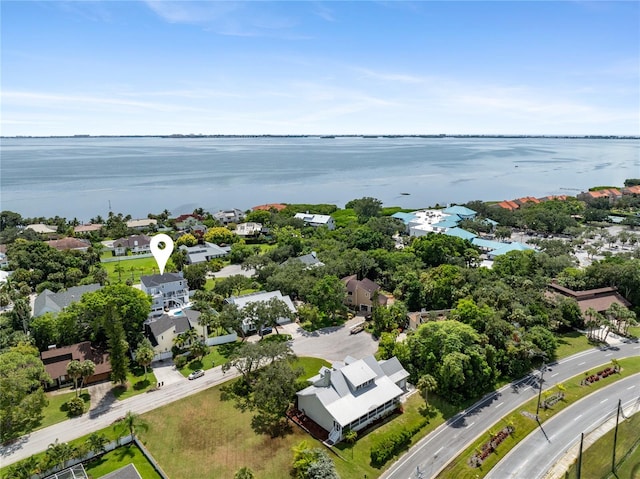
<point>356,462</point>
<point>120,271</point>
<point>203,437</point>
<point>120,457</point>
<point>571,343</point>
<point>634,331</point>
<point>136,383</point>
<point>596,460</point>
<point>56,411</point>
<point>218,355</point>
<point>458,468</point>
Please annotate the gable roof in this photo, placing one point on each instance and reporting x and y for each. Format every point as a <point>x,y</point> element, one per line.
<point>153,280</point>
<point>352,282</point>
<point>460,233</point>
<point>87,228</point>
<point>515,246</point>
<point>165,323</point>
<point>41,228</point>
<point>56,360</point>
<point>132,241</point>
<point>458,210</point>
<point>270,206</point>
<point>242,301</point>
<point>68,243</point>
<point>309,260</point>
<point>202,253</point>
<point>56,302</point>
<point>599,299</point>
<point>313,218</point>
<point>347,403</point>
<point>142,223</point>
<point>405,217</point>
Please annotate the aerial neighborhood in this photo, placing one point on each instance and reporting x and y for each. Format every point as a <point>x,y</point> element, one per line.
<point>307,340</point>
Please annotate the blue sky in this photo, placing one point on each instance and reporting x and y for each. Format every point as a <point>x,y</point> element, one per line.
<point>118,68</point>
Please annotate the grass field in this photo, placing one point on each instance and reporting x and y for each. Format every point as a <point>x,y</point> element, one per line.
<point>118,458</point>
<point>218,355</point>
<point>596,460</point>
<point>204,436</point>
<point>56,411</point>
<point>571,343</point>
<point>120,271</point>
<point>458,468</point>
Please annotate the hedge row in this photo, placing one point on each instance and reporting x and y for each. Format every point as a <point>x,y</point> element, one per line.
<point>391,444</point>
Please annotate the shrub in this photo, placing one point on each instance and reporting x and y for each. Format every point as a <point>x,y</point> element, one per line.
<point>75,406</point>
<point>180,361</point>
<point>392,443</point>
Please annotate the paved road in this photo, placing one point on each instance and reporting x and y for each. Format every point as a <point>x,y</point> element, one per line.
<point>534,456</point>
<point>331,344</point>
<point>436,450</point>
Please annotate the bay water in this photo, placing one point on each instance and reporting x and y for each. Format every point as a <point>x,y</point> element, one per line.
<point>84,177</point>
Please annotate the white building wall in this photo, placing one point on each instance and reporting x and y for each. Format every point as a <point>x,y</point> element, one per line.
<point>314,409</point>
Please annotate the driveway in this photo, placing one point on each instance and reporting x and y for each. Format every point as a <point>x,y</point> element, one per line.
<point>232,270</point>
<point>334,343</point>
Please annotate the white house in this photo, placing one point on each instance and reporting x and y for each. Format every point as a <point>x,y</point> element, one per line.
<point>229,216</point>
<point>168,290</point>
<point>142,223</point>
<point>316,220</point>
<point>353,394</point>
<point>241,301</point>
<point>248,229</point>
<point>203,253</point>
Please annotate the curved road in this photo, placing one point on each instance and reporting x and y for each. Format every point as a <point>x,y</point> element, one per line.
<point>537,453</point>
<point>431,454</point>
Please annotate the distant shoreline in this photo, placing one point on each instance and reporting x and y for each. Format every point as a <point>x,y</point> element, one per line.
<point>177,135</point>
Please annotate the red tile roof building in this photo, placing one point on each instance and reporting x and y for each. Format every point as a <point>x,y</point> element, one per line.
<point>270,206</point>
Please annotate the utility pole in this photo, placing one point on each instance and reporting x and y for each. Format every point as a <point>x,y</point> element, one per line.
<point>540,392</point>
<point>615,438</point>
<point>580,456</point>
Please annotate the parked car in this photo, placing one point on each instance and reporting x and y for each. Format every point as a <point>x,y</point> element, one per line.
<point>357,329</point>
<point>196,374</point>
<point>266,330</point>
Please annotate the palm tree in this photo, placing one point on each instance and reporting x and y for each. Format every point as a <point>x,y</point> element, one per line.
<point>426,384</point>
<point>199,349</point>
<point>97,443</point>
<point>74,371</point>
<point>87,369</point>
<point>132,422</point>
<point>58,453</point>
<point>144,355</point>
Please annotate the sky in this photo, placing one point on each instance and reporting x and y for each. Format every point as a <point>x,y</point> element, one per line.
<point>288,68</point>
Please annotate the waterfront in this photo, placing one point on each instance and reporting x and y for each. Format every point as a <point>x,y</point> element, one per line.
<point>81,177</point>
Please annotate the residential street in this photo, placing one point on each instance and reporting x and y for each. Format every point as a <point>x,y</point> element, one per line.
<point>331,344</point>
<point>436,450</point>
<point>534,456</point>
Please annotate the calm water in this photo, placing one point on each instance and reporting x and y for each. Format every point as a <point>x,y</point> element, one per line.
<point>78,177</point>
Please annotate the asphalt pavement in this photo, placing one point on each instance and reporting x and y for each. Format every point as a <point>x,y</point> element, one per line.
<point>333,344</point>
<point>435,451</point>
<point>541,449</point>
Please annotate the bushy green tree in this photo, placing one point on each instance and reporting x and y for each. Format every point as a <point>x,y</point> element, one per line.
<point>22,398</point>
